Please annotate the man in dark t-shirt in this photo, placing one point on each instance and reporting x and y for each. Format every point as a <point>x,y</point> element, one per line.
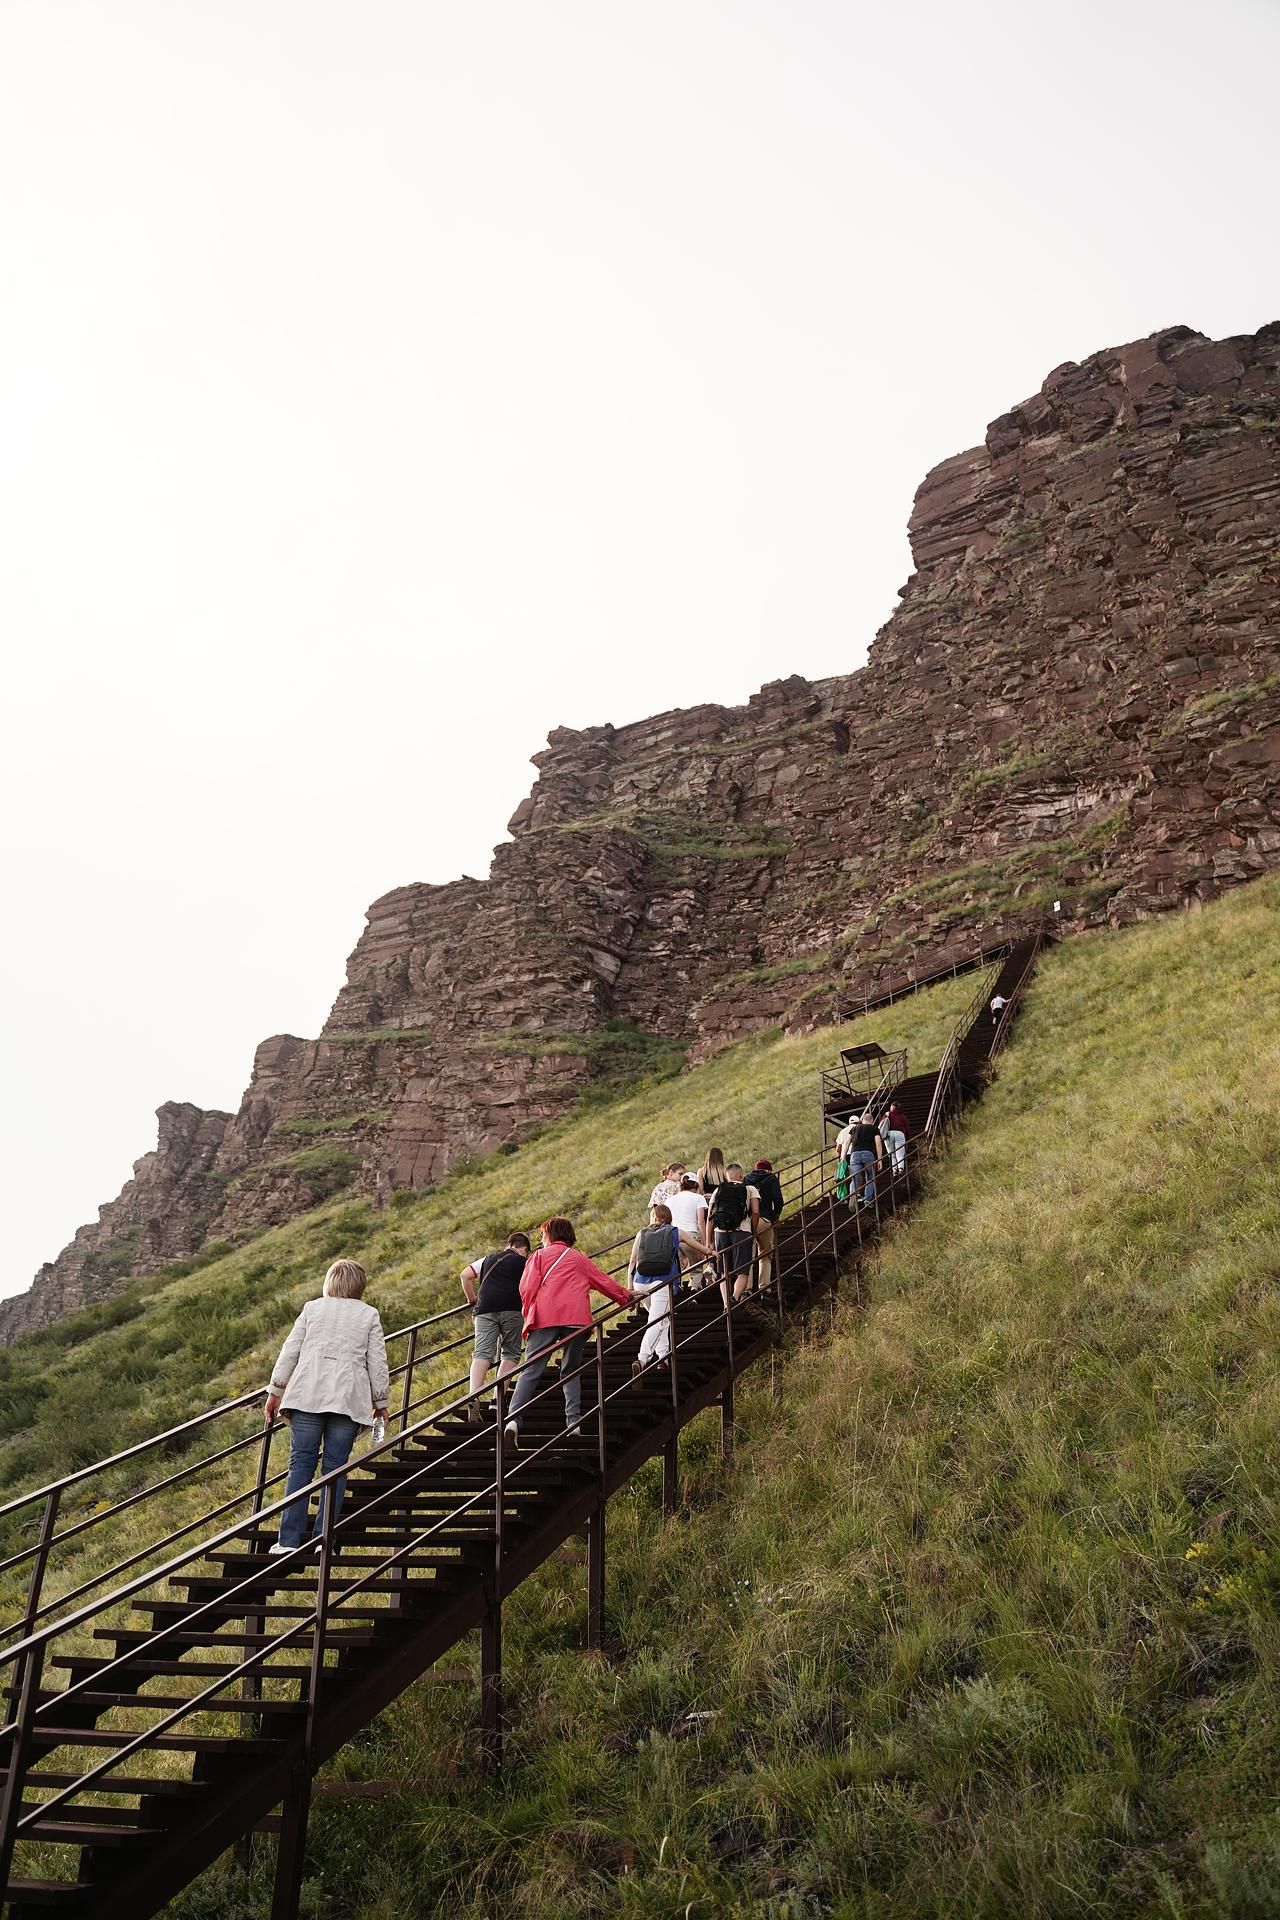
<point>865,1157</point>
<point>492,1285</point>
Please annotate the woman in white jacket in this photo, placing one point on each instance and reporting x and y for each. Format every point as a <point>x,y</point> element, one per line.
<point>330,1380</point>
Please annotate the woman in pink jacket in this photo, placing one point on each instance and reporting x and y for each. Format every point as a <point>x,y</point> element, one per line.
<point>555,1292</point>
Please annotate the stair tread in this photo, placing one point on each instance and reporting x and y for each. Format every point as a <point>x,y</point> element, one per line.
<point>71,1833</point>
<point>198,1669</point>
<point>164,1742</point>
<point>29,1892</point>
<point>123,1783</point>
<point>94,1697</point>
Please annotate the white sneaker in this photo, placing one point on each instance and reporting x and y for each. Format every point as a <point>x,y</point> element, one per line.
<point>511,1435</point>
<point>279,1549</point>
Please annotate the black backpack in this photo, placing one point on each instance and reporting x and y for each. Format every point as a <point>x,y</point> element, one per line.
<point>769,1187</point>
<point>730,1206</point>
<point>657,1252</point>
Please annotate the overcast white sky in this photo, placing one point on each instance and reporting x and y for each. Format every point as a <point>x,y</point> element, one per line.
<point>382,385</point>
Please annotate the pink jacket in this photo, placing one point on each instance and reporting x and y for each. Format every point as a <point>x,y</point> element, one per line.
<point>562,1298</point>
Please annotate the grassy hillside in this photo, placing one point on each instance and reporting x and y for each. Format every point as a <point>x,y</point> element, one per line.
<point>984,1621</point>
<point>185,1340</point>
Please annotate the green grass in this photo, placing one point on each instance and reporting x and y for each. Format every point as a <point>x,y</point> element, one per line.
<point>208,1329</point>
<point>1222,700</point>
<point>375,1036</point>
<point>984,1620</point>
<point>306,1126</point>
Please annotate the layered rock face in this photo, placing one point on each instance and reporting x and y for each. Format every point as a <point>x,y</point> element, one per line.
<point>1076,700</point>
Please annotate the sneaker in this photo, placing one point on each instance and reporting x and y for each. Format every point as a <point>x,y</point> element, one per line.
<point>277,1549</point>
<point>511,1435</point>
<point>473,1413</point>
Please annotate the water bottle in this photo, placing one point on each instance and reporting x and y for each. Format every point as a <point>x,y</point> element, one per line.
<point>379,1433</point>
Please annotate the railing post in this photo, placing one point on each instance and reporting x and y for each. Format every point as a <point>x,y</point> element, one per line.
<point>499,1479</point>
<point>35,1588</point>
<point>670,1477</point>
<point>595,1576</point>
<point>24,1694</point>
<point>292,1845</point>
<point>406,1398</point>
<point>726,1398</point>
<point>255,1622</point>
<point>491,1682</point>
<point>600,1407</point>
<point>804,1241</point>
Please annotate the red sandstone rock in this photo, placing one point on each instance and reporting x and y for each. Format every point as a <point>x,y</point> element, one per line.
<point>1077,697</point>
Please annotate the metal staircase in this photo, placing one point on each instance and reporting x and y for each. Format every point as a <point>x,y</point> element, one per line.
<point>160,1710</point>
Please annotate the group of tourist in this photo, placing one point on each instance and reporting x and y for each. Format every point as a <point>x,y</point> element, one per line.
<point>864,1144</point>
<point>331,1378</point>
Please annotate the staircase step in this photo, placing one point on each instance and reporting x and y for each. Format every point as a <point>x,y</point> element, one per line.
<point>165,1610</point>
<point>49,1737</point>
<point>47,1893</point>
<point>87,1663</point>
<point>129,1642</point>
<point>69,1833</point>
<point>122,1783</point>
<point>201,1590</point>
<point>91,1697</point>
<point>71,1813</point>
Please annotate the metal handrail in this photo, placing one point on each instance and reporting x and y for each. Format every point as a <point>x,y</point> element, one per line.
<point>805,1228</point>
<point>964,1026</point>
<point>389,1446</point>
<point>872,1003</point>
<point>943,1093</point>
<point>28,1653</point>
<point>36,1610</point>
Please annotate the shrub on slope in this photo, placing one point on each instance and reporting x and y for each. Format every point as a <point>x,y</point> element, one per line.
<point>984,1621</point>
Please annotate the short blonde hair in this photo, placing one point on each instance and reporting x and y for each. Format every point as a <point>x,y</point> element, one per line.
<point>345,1280</point>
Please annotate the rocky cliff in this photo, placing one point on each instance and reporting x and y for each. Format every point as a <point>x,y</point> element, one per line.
<point>1077,699</point>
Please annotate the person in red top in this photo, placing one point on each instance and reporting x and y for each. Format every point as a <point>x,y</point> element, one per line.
<point>555,1293</point>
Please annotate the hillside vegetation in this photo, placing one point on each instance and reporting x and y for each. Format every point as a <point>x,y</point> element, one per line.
<point>170,1346</point>
<point>984,1620</point>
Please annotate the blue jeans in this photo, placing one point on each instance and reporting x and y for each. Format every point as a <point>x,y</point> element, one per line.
<point>537,1351</point>
<point>860,1162</point>
<point>308,1434</point>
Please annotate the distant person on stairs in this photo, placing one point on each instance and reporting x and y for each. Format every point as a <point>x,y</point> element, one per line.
<point>330,1380</point>
<point>896,1129</point>
<point>866,1155</point>
<point>555,1292</point>
<point>492,1286</point>
<point>998,1005</point>
<point>654,1273</point>
<point>769,1189</point>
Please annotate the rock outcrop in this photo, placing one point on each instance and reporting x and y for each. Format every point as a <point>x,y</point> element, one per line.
<point>1076,700</point>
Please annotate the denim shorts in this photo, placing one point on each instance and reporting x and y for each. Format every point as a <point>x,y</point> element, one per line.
<point>498,1329</point>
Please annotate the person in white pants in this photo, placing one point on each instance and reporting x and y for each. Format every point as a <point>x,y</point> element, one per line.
<point>657,1290</point>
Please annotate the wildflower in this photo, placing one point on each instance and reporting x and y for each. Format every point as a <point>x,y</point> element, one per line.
<point>1194,1551</point>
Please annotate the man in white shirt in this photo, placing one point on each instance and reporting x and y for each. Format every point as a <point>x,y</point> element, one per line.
<point>689,1214</point>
